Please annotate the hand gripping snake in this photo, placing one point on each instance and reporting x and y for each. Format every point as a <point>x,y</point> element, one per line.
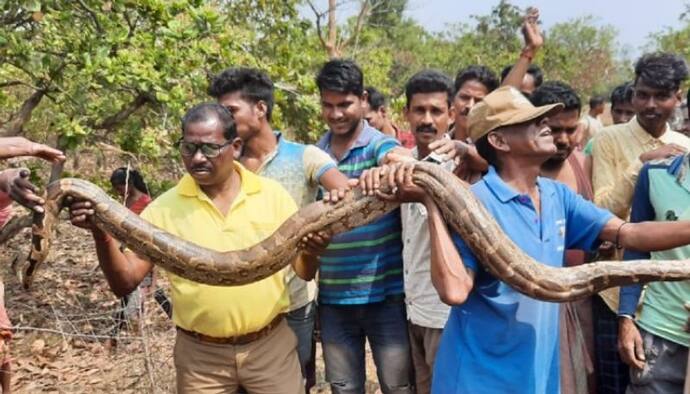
<point>460,208</point>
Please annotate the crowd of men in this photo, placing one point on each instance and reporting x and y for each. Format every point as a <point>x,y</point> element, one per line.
<point>564,188</point>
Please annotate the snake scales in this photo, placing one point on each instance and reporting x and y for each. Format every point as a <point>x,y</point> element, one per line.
<point>462,211</point>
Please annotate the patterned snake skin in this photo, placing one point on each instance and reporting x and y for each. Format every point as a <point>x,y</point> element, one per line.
<point>461,210</point>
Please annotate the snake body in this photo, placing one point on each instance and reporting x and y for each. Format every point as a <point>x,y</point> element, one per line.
<point>461,210</point>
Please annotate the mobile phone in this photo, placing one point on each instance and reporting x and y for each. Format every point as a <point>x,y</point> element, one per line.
<point>434,157</point>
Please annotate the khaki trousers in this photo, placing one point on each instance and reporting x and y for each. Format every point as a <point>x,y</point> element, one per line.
<point>266,366</point>
<point>424,342</point>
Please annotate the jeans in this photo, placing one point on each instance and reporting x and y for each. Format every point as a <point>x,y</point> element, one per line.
<point>664,367</point>
<point>344,328</point>
<point>301,321</point>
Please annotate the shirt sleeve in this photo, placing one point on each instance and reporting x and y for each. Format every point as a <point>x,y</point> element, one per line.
<point>584,221</point>
<point>384,146</point>
<point>468,258</point>
<point>612,190</point>
<point>285,205</point>
<point>316,163</point>
<point>642,210</point>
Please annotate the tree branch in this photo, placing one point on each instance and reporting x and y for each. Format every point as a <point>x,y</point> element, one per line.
<point>318,16</point>
<point>91,13</point>
<point>120,116</point>
<point>361,18</point>
<point>10,83</point>
<point>15,124</point>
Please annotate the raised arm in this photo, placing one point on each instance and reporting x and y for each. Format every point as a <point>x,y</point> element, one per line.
<point>533,41</point>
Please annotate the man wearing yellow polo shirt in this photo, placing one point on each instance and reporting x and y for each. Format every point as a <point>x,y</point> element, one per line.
<point>227,336</point>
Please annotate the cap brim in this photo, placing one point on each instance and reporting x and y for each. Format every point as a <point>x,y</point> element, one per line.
<point>525,115</point>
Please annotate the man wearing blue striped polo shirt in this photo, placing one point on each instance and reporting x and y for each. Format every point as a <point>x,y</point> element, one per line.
<point>361,294</point>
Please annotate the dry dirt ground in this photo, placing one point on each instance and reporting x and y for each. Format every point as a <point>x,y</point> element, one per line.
<point>64,320</point>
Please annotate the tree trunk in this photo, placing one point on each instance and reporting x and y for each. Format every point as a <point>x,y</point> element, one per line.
<point>332,41</point>
<point>15,125</point>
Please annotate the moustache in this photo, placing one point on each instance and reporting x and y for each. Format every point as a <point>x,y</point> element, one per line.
<point>201,167</point>
<point>426,129</point>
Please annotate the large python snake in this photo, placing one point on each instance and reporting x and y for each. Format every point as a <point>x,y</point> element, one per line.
<point>461,210</point>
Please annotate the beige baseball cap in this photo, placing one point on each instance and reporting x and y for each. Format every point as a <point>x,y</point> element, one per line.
<point>504,106</point>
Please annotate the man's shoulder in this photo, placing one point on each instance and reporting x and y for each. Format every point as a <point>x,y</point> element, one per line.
<point>292,150</point>
<point>613,131</point>
<point>679,138</point>
<point>549,185</point>
<point>272,187</point>
<point>483,192</point>
<point>377,136</point>
<point>322,143</point>
<point>170,199</point>
<point>292,144</point>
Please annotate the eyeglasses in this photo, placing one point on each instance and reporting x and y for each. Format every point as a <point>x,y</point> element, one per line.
<point>210,150</point>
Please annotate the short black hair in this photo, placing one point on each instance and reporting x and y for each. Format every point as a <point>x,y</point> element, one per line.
<point>342,76</point>
<point>123,174</point>
<point>664,71</point>
<point>205,111</point>
<point>596,101</point>
<point>253,84</point>
<point>375,98</point>
<point>481,74</point>
<point>429,81</point>
<point>622,94</point>
<point>487,151</point>
<point>533,70</point>
<point>553,92</point>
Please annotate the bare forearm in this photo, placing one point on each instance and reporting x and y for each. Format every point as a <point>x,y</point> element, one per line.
<point>517,72</point>
<point>448,274</point>
<point>306,265</point>
<point>654,236</point>
<point>333,179</point>
<point>15,146</point>
<point>122,276</point>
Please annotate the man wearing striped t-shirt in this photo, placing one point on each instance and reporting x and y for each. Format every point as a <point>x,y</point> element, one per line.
<point>361,294</point>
